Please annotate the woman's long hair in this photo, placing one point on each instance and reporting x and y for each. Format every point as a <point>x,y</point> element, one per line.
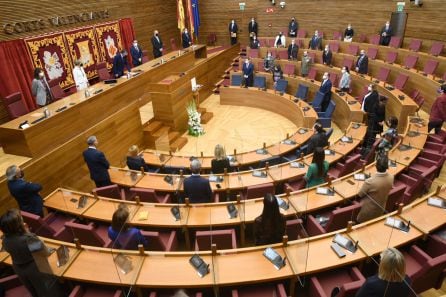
<point>271,216</point>
<point>318,159</point>
<point>11,223</point>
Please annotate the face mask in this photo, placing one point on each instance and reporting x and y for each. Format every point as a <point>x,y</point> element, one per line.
<point>369,88</point>
<point>325,77</point>
<point>185,31</point>
<point>269,55</point>
<point>326,49</point>
<point>349,27</point>
<point>246,62</point>
<point>135,44</point>
<point>343,71</point>
<point>156,34</point>
<point>41,75</point>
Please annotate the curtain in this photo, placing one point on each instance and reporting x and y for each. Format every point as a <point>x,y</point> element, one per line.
<point>127,34</point>
<point>16,71</point>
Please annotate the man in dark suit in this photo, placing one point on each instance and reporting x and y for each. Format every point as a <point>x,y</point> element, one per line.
<point>185,37</point>
<point>97,163</point>
<point>233,29</point>
<point>197,188</point>
<point>385,34</point>
<point>248,73</point>
<point>157,44</point>
<point>253,28</point>
<point>292,28</point>
<point>136,53</point>
<point>362,64</point>
<point>119,63</point>
<point>293,49</point>
<point>254,44</point>
<point>326,90</point>
<point>25,193</point>
<point>327,55</point>
<point>315,41</point>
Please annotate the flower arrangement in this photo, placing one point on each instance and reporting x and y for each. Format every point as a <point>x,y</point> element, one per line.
<point>194,122</point>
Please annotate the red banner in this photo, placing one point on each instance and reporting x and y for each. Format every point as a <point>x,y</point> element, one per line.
<point>50,53</point>
<point>83,47</point>
<point>109,41</point>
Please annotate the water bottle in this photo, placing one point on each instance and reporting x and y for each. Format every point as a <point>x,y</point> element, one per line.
<point>128,75</point>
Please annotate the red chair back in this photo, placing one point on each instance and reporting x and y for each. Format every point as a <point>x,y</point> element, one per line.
<point>312,56</point>
<point>372,52</point>
<point>410,61</point>
<point>333,78</point>
<point>430,67</point>
<point>301,33</point>
<point>341,216</point>
<point>224,239</point>
<point>312,73</point>
<point>55,89</point>
<point>395,42</point>
<point>374,39</point>
<point>348,62</point>
<point>145,57</point>
<point>15,105</point>
<point>353,49</point>
<point>383,74</point>
<point>362,38</point>
<point>260,66</point>
<point>86,234</point>
<point>391,57</point>
<point>337,35</point>
<point>111,191</point>
<point>282,54</point>
<point>37,225</point>
<point>253,53</point>
<point>258,191</point>
<point>395,197</point>
<point>161,241</point>
<point>173,44</point>
<point>401,81</point>
<point>294,229</point>
<point>437,48</point>
<point>334,46</point>
<point>289,69</point>
<point>145,195</point>
<point>415,45</point>
<point>102,70</point>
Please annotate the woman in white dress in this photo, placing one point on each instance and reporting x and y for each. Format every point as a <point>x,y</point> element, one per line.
<point>80,78</point>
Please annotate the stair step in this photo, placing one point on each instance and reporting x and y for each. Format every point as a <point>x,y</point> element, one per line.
<point>164,130</point>
<point>172,136</point>
<point>201,110</point>
<point>153,126</point>
<point>178,143</point>
<point>206,117</point>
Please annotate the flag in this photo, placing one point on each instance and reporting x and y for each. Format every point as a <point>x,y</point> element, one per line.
<point>190,18</point>
<point>196,14</point>
<point>180,15</point>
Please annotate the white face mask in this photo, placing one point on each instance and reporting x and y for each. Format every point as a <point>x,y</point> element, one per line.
<point>349,27</point>
<point>246,62</point>
<point>269,55</point>
<point>370,89</point>
<point>41,74</point>
<point>326,49</point>
<point>325,78</point>
<point>344,71</point>
<point>135,44</point>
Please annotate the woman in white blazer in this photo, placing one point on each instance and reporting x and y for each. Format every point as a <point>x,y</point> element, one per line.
<point>80,78</point>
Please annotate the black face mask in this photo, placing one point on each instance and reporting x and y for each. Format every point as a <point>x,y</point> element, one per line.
<point>156,34</point>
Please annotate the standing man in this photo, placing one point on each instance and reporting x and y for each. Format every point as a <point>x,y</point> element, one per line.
<point>306,64</point>
<point>253,28</point>
<point>375,190</point>
<point>233,29</point>
<point>25,193</point>
<point>386,34</point>
<point>136,53</point>
<point>97,163</point>
<point>315,42</point>
<point>187,40</point>
<point>327,55</point>
<point>293,49</point>
<point>438,111</point>
<point>326,90</point>
<point>362,64</point>
<point>254,44</point>
<point>157,44</point>
<point>248,73</point>
<point>197,188</point>
<point>292,28</point>
<point>119,63</point>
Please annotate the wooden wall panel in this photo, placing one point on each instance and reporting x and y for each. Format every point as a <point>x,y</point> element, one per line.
<point>147,16</point>
<point>327,15</point>
<point>65,166</point>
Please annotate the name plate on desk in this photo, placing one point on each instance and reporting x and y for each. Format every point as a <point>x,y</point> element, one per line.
<point>347,139</point>
<point>63,255</point>
<point>392,163</point>
<point>258,173</point>
<point>289,142</point>
<point>325,191</point>
<point>361,176</point>
<point>232,211</point>
<point>329,152</point>
<point>437,202</point>
<point>200,266</point>
<point>297,165</point>
<point>82,201</point>
<point>302,131</point>
<point>215,179</point>
<point>169,179</point>
<point>175,211</point>
<point>124,263</point>
<point>261,152</point>
<point>345,243</point>
<point>356,125</point>
<point>404,147</point>
<point>282,204</point>
<point>274,258</point>
<point>398,224</point>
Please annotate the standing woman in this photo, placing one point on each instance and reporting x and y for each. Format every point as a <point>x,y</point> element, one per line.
<point>277,73</point>
<point>344,82</point>
<point>306,64</point>
<point>220,161</point>
<point>391,279</point>
<point>269,227</point>
<point>317,171</point>
<point>40,88</point>
<point>80,78</point>
<point>17,242</point>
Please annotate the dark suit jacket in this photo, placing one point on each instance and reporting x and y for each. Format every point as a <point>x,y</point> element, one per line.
<point>293,27</point>
<point>386,40</point>
<point>186,39</point>
<point>254,44</point>
<point>27,195</point>
<point>157,46</point>
<point>253,27</point>
<point>317,140</point>
<point>197,189</point>
<point>326,57</point>
<point>315,43</point>
<point>292,51</point>
<point>233,30</point>
<point>363,64</point>
<point>248,70</point>
<point>136,54</point>
<point>119,63</point>
<point>97,164</point>
<point>371,102</point>
<point>218,166</point>
<point>326,89</point>
<point>135,163</point>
